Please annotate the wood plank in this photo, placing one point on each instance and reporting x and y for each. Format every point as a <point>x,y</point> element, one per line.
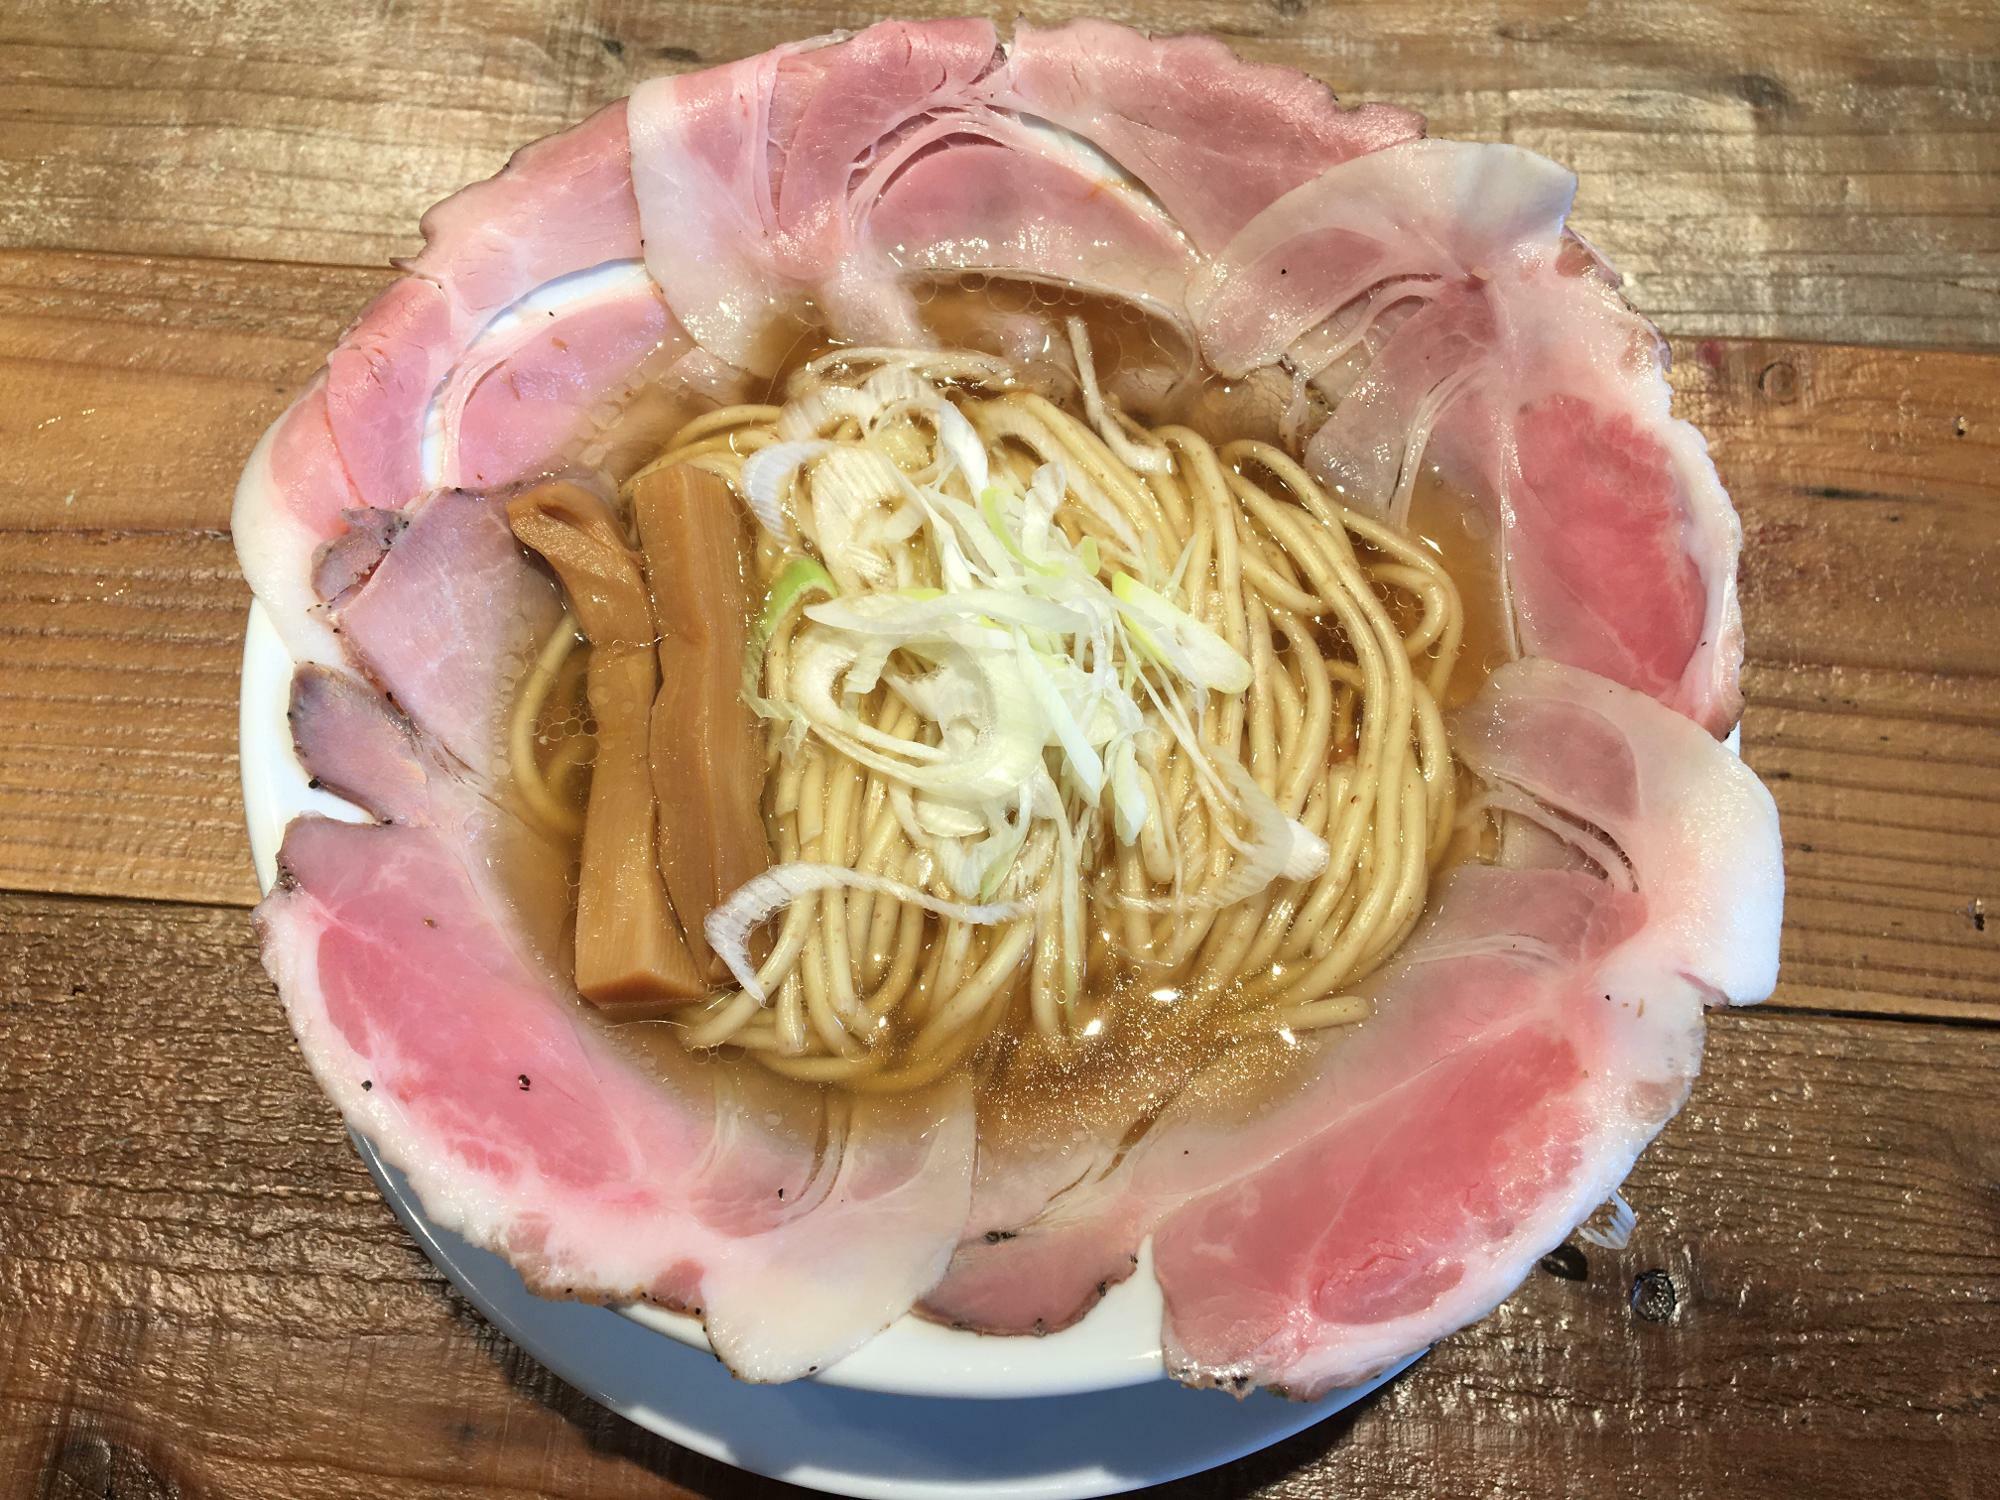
<point>118,668</point>
<point>1811,168</point>
<point>206,1297</point>
<point>131,391</point>
<point>1865,477</point>
<point>135,387</point>
<point>1867,483</point>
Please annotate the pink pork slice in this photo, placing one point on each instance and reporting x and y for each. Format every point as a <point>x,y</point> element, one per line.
<point>524,1129</point>
<point>1531,1038</point>
<point>1215,138</point>
<point>554,377</point>
<point>512,340</point>
<point>561,206</point>
<point>796,161</point>
<point>795,1231</point>
<point>447,621</point>
<point>1496,349</point>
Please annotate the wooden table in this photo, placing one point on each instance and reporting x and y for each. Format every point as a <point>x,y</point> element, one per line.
<point>201,1295</point>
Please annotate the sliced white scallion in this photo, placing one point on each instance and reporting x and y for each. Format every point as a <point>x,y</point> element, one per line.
<point>1130,804</point>
<point>825,408</point>
<point>1274,846</point>
<point>767,481</point>
<point>1620,1221</point>
<point>993,508</point>
<point>857,505</point>
<point>898,614</point>
<point>1084,762</point>
<point>1191,648</point>
<point>1142,457</point>
<point>729,926</point>
<point>962,444</point>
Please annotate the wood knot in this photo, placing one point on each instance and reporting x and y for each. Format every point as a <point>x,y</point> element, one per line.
<point>1654,1296</point>
<point>1566,1263</point>
<point>1761,91</point>
<point>1778,382</point>
<point>92,1467</point>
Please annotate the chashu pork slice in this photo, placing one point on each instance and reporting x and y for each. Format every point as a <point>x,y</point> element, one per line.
<point>1539,1029</point>
<point>608,1165</point>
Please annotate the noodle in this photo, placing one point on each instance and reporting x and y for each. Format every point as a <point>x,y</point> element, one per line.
<point>1351,630</point>
<point>541,785</point>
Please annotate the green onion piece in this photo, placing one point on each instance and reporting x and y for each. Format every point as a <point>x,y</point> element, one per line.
<point>798,578</point>
<point>990,501</point>
<point>1170,634</point>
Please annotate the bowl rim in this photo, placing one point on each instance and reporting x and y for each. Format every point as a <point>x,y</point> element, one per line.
<point>1116,1344</point>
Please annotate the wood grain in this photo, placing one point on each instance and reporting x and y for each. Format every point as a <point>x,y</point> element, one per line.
<point>204,1289</point>
<point>131,391</point>
<point>201,1294</point>
<point>118,667</point>
<point>1869,483</point>
<point>134,388</point>
<point>1816,168</point>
